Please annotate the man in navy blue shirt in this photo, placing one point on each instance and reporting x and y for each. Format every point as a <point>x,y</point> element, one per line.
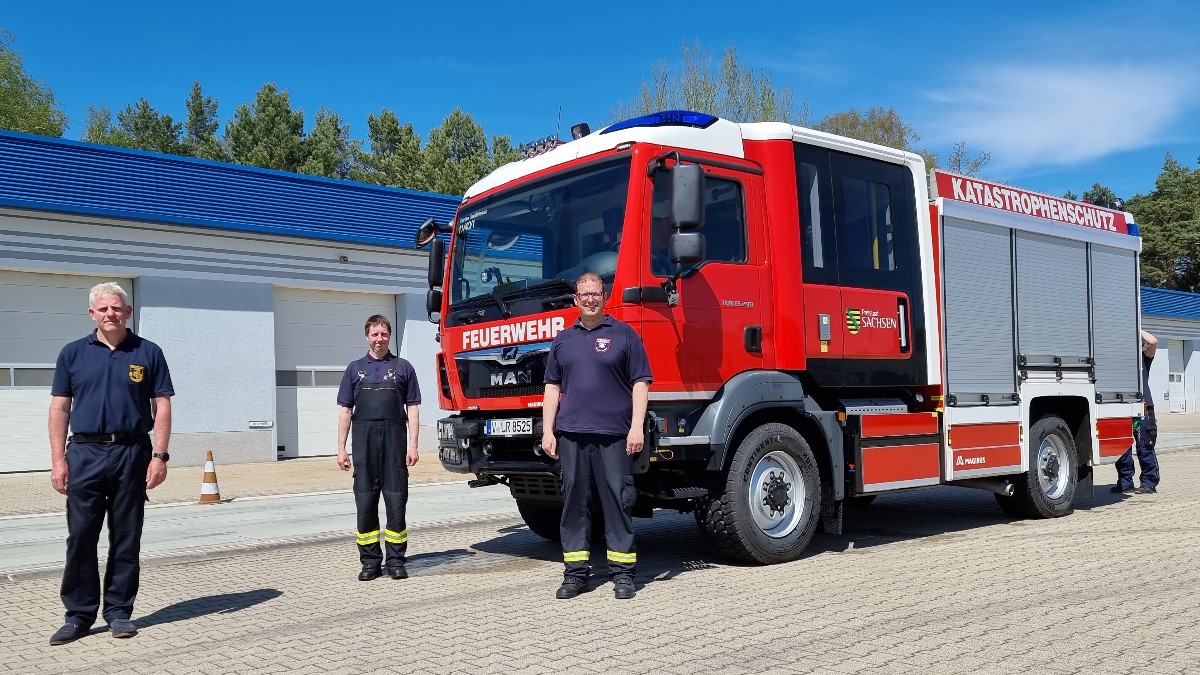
<point>1147,434</point>
<point>380,399</point>
<point>111,388</point>
<point>599,368</point>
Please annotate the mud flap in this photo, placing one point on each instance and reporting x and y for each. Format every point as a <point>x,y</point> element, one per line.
<point>831,511</point>
<point>1085,487</point>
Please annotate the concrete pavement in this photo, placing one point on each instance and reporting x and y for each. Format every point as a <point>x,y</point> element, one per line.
<point>932,582</point>
<point>35,545</point>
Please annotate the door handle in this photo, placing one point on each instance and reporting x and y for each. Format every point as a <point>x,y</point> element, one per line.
<point>902,318</point>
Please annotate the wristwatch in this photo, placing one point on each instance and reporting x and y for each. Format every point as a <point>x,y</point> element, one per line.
<point>164,456</point>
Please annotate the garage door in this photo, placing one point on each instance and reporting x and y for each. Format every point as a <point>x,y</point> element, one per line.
<point>39,313</point>
<point>316,334</point>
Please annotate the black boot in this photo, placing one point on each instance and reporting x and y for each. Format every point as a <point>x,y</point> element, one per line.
<point>369,573</point>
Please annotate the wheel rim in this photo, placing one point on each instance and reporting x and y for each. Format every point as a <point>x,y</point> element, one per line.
<point>776,494</point>
<point>1053,467</point>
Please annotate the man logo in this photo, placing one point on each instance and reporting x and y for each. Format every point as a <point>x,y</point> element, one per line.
<point>137,373</point>
<point>511,377</point>
<point>509,353</point>
<point>602,345</point>
<point>853,320</point>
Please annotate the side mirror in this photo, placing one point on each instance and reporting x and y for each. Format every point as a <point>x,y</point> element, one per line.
<point>433,303</point>
<point>687,196</point>
<point>437,262</point>
<point>686,248</point>
<point>427,232</point>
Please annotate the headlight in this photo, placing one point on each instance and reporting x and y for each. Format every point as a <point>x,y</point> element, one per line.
<point>445,430</point>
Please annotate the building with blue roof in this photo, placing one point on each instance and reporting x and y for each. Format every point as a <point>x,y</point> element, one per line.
<point>256,284</point>
<point>1174,318</point>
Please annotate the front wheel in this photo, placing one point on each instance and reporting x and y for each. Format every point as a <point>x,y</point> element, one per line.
<point>770,506</point>
<point>541,518</point>
<point>1047,489</point>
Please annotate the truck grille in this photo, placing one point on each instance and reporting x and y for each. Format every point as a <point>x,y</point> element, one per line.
<point>500,392</point>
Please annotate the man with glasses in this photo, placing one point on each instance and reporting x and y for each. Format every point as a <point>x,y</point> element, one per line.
<point>599,368</point>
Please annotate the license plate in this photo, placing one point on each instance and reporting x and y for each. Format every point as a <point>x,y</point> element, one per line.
<point>512,427</point>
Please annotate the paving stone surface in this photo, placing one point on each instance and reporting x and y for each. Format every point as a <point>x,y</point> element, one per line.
<point>930,582</point>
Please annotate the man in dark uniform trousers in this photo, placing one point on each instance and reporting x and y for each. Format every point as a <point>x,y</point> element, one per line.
<point>379,399</point>
<point>600,369</point>
<point>104,385</point>
<point>1147,434</point>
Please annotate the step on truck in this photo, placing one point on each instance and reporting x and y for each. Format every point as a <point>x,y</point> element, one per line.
<point>826,321</point>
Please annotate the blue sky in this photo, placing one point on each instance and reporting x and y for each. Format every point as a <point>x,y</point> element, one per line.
<point>1063,94</point>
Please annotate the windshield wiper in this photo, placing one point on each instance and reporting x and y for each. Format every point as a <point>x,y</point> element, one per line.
<point>541,286</point>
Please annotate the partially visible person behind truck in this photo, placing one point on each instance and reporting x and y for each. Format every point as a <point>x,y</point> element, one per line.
<point>1147,434</point>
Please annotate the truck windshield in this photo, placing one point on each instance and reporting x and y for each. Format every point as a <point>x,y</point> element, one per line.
<point>520,251</point>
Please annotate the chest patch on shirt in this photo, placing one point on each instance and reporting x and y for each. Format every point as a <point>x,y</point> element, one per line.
<point>136,373</point>
<point>602,344</point>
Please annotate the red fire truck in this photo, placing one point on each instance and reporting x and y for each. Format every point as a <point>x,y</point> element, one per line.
<point>826,321</point>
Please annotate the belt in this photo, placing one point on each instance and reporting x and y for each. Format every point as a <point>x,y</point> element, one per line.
<point>106,438</point>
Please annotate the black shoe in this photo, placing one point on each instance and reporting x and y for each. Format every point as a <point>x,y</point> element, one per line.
<point>623,589</point>
<point>570,588</point>
<point>397,572</point>
<point>369,573</point>
<point>1146,490</point>
<point>122,628</point>
<point>1118,489</point>
<point>70,632</point>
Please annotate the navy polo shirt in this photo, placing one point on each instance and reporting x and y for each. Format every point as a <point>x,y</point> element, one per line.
<point>390,368</point>
<point>597,369</point>
<point>111,389</point>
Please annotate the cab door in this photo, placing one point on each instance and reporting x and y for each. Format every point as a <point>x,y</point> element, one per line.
<point>861,270</point>
<point>716,329</point>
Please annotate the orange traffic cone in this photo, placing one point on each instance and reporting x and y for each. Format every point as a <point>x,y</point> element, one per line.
<point>210,492</point>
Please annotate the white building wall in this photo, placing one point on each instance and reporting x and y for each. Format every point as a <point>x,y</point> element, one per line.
<point>1187,331</point>
<point>218,337</point>
<point>206,297</point>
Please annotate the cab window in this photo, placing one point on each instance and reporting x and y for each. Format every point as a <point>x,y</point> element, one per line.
<point>724,226</point>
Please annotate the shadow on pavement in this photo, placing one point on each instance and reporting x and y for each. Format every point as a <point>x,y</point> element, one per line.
<point>670,544</point>
<point>426,561</point>
<point>224,603</point>
<point>938,513</point>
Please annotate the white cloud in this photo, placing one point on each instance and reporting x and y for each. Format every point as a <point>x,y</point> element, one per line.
<point>1061,115</point>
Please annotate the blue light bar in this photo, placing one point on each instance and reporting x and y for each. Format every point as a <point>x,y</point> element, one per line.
<point>666,118</point>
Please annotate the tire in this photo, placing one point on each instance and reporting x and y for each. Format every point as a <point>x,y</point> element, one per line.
<point>771,502</point>
<point>542,518</point>
<point>1047,489</point>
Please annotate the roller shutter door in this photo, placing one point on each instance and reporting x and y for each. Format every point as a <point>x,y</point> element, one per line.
<point>1115,322</point>
<point>316,334</point>
<point>39,313</point>
<point>979,312</point>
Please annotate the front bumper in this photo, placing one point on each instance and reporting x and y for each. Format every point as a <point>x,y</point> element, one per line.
<point>464,447</point>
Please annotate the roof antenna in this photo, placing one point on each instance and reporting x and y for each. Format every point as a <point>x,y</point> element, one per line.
<point>558,128</point>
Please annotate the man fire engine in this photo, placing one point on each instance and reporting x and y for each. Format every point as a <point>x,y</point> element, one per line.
<point>824,320</point>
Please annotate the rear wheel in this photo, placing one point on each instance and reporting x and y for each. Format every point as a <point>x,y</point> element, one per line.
<point>1047,489</point>
<point>770,506</point>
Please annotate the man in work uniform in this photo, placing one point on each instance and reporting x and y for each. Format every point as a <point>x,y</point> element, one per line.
<point>1147,434</point>
<point>600,369</point>
<point>379,398</point>
<point>104,387</point>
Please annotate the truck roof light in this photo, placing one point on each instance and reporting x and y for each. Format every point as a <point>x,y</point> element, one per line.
<point>666,118</point>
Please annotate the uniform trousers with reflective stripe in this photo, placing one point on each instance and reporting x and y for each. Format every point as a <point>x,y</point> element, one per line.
<point>104,480</point>
<point>596,464</point>
<point>380,451</point>
<point>1147,437</point>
